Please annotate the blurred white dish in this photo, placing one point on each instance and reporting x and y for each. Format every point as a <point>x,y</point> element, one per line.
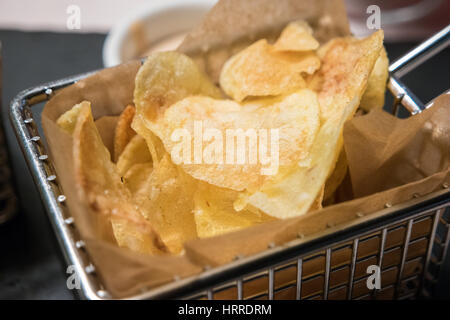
<point>159,25</point>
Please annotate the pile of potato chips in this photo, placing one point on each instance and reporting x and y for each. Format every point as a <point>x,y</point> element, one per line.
<point>154,203</point>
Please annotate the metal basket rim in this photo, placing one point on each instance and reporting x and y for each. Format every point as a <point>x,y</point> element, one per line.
<point>91,288</point>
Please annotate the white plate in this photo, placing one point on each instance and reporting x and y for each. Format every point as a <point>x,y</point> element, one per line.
<point>159,25</point>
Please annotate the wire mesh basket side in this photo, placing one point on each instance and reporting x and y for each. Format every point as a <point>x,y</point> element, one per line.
<point>403,251</point>
<point>298,279</point>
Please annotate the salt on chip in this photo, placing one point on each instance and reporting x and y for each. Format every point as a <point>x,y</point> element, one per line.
<point>260,70</point>
<point>135,152</point>
<point>297,36</point>
<point>101,187</point>
<point>288,123</point>
<point>346,67</point>
<point>123,133</point>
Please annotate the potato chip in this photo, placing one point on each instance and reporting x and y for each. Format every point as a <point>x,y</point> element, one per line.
<point>135,152</point>
<point>68,120</point>
<point>206,137</point>
<point>337,176</point>
<point>297,36</point>
<point>334,68</point>
<point>317,203</point>
<point>373,97</point>
<point>165,78</point>
<point>132,231</point>
<point>154,144</point>
<point>346,67</point>
<point>215,214</point>
<point>167,201</point>
<point>136,177</point>
<point>259,70</point>
<point>123,132</point>
<point>318,83</point>
<point>105,126</point>
<point>101,187</point>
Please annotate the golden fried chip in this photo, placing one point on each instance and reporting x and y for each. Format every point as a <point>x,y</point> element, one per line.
<point>135,152</point>
<point>334,67</point>
<point>215,214</point>
<point>101,187</point>
<point>222,142</point>
<point>105,126</point>
<point>68,120</point>
<point>259,70</point>
<point>154,144</point>
<point>136,177</point>
<point>167,201</point>
<point>337,176</point>
<point>327,81</point>
<point>132,231</point>
<point>123,132</point>
<point>165,78</point>
<point>346,67</point>
<point>297,36</point>
<point>373,97</point>
<point>317,203</point>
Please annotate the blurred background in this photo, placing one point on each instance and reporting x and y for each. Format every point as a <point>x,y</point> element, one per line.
<point>136,27</point>
<point>51,39</point>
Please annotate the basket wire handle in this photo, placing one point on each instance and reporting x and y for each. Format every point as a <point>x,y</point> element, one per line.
<point>407,63</point>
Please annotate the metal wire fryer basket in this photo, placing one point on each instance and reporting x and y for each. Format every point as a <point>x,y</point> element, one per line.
<point>408,241</point>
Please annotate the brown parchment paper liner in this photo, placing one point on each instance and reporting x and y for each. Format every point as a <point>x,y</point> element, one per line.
<point>387,152</point>
<point>232,25</point>
<point>124,272</point>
